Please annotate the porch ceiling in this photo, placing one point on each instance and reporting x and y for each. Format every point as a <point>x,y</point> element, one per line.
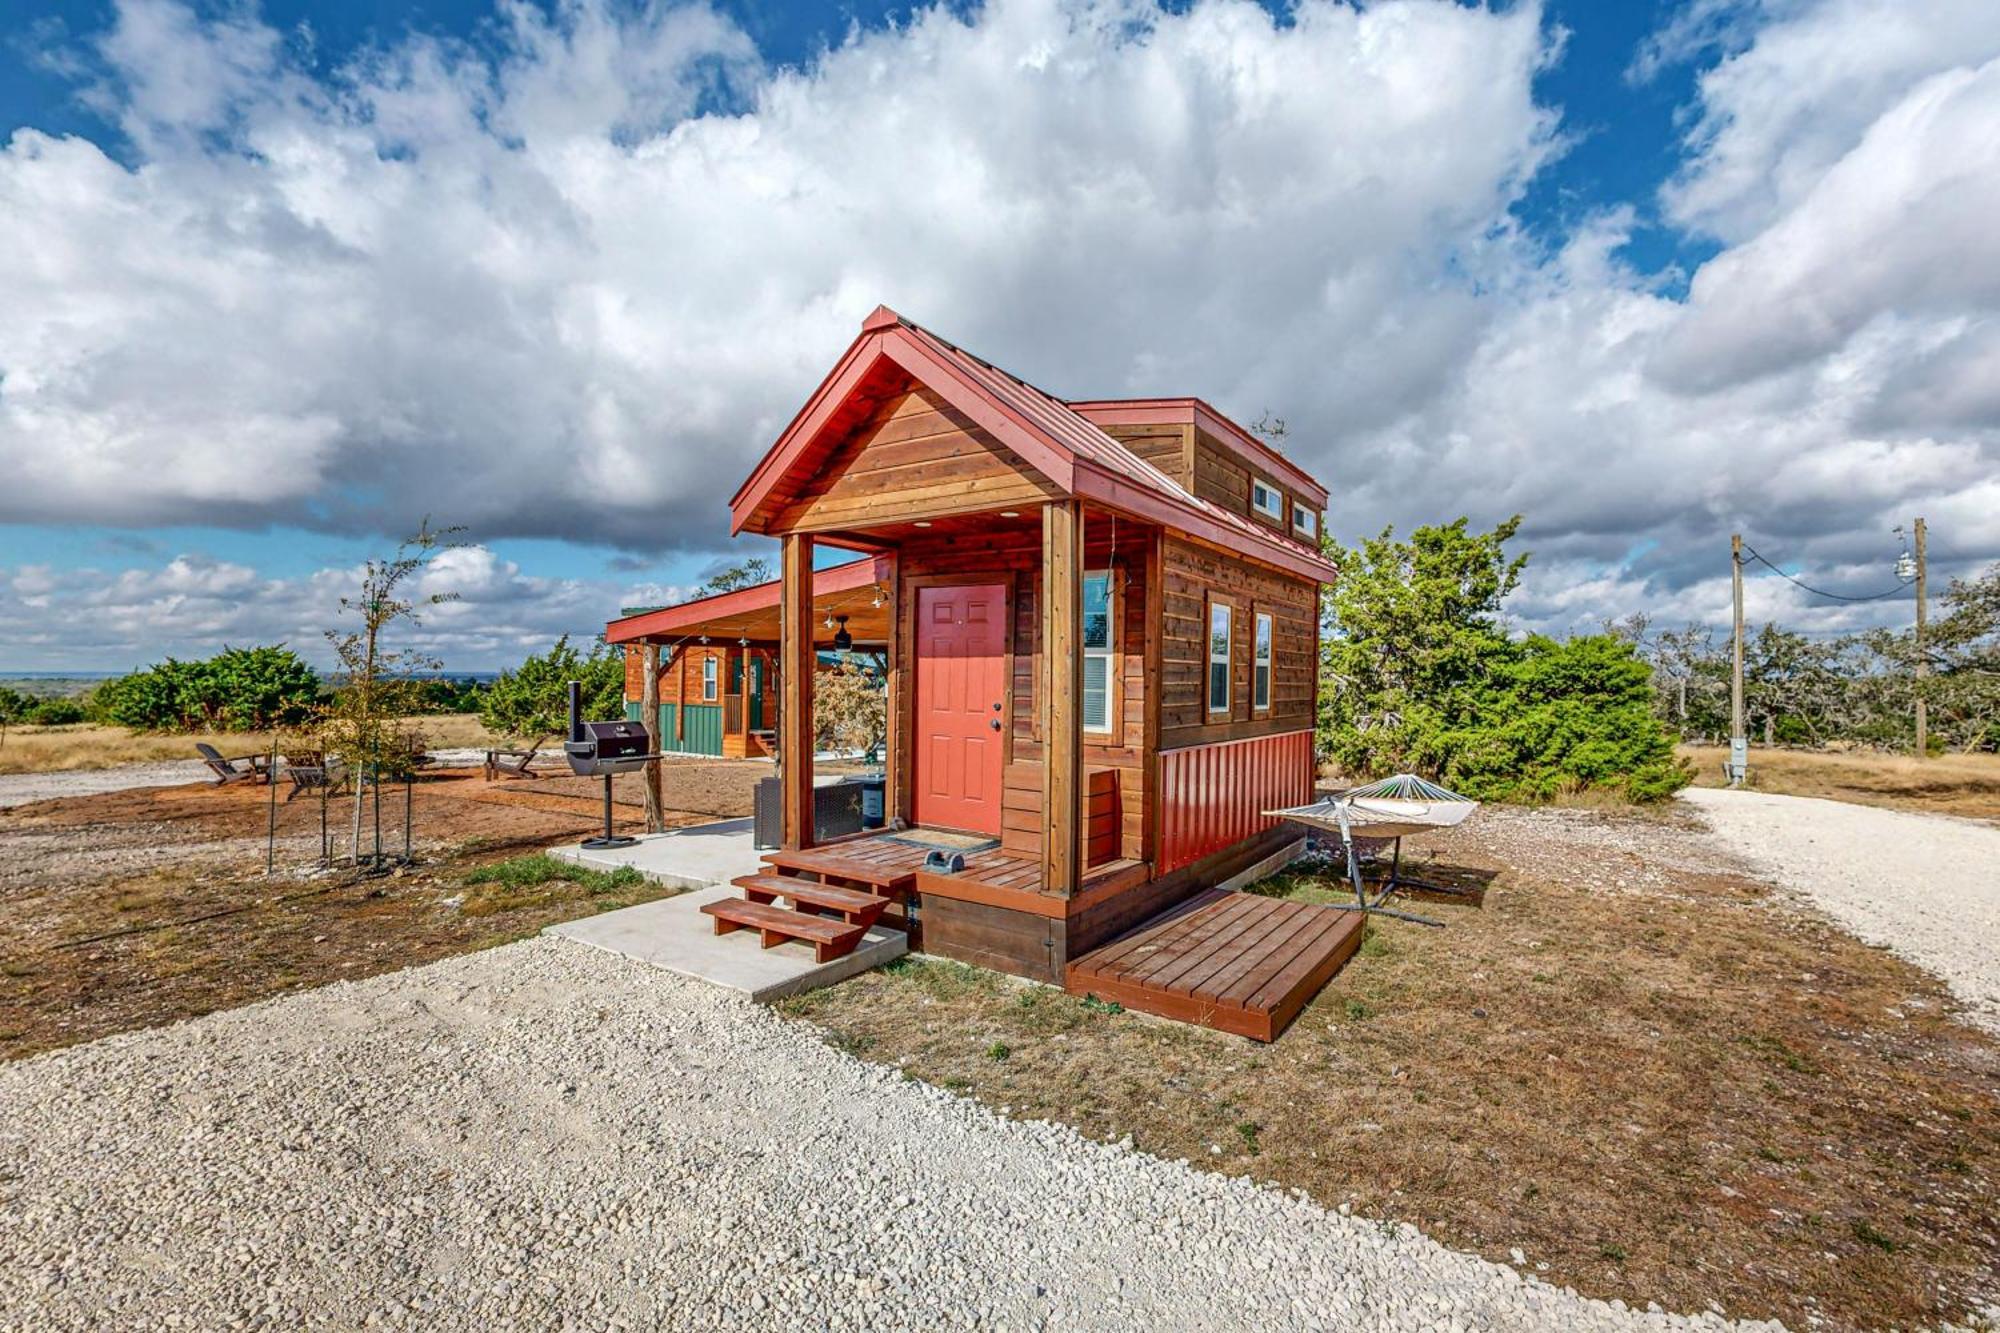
<point>752,613</point>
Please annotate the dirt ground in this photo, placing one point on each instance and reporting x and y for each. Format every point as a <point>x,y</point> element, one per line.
<point>133,908</point>
<point>1967,785</point>
<point>1631,1064</point>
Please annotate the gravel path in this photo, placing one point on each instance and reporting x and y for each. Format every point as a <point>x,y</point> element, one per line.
<point>543,1136</point>
<point>24,788</point>
<point>1925,886</point>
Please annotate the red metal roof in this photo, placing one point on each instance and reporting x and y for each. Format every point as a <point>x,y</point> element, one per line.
<point>1065,446</point>
<point>758,597</point>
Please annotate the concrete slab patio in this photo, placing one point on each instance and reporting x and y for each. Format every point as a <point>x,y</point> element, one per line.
<point>683,858</point>
<point>674,934</point>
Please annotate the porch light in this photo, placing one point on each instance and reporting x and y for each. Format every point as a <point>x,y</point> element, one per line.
<point>922,523</point>
<point>1010,513</point>
<point>842,641</point>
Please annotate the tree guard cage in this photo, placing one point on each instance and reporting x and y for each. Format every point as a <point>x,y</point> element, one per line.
<point>1390,809</point>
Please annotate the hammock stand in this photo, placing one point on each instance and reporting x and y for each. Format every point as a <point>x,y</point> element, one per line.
<point>1389,809</point>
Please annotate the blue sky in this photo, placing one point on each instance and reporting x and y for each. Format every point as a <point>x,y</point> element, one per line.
<point>1542,253</point>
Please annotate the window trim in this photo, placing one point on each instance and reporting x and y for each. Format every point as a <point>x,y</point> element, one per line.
<point>1276,514</point>
<point>710,684</point>
<point>1264,640</point>
<point>1211,708</point>
<point>1109,653</point>
<point>1308,529</point>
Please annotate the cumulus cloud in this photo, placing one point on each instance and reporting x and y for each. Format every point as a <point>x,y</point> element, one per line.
<point>572,281</point>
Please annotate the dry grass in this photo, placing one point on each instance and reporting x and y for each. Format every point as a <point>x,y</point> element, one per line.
<point>134,908</point>
<point>1659,1084</point>
<point>1953,784</point>
<point>87,745</point>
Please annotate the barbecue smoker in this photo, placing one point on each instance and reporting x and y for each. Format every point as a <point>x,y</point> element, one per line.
<point>605,749</point>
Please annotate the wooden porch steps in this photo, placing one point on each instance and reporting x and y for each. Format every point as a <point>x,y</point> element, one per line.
<point>850,905</point>
<point>830,939</point>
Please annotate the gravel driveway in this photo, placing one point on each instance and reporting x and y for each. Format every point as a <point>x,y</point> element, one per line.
<point>23,788</point>
<point>543,1136</point>
<point>1925,886</point>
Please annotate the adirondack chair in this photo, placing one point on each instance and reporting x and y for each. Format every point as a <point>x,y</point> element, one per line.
<point>312,771</point>
<point>511,763</point>
<point>225,767</point>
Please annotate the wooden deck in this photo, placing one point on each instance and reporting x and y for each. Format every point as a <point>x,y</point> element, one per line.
<point>995,877</point>
<point>1238,963</point>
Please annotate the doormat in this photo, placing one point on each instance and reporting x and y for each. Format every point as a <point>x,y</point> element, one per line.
<point>949,842</point>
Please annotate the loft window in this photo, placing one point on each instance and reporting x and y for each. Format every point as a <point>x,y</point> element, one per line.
<point>1218,657</point>
<point>1305,522</point>
<point>1099,645</point>
<point>708,680</point>
<point>1266,499</point>
<point>1260,668</point>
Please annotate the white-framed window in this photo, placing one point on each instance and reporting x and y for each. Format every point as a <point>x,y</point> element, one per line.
<point>708,680</point>
<point>1218,657</point>
<point>1305,522</point>
<point>1260,665</point>
<point>1100,642</point>
<point>1267,499</point>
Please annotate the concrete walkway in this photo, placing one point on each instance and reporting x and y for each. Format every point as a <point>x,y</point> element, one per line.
<point>683,858</point>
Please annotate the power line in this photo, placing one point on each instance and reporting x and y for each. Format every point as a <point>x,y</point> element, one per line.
<point>1821,592</point>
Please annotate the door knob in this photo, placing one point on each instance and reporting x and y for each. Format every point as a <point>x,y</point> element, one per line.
<point>995,724</point>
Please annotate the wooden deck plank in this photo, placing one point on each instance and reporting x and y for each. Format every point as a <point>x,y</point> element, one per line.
<point>1241,963</point>
<point>1202,934</point>
<point>1317,927</point>
<point>1117,955</point>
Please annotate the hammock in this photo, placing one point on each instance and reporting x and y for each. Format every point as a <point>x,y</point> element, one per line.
<point>1392,809</point>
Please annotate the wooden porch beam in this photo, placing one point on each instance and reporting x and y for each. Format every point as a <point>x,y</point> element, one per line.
<point>1062,696</point>
<point>649,715</point>
<point>797,659</point>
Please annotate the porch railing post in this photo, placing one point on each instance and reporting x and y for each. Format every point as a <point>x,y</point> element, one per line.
<point>795,680</point>
<point>1062,695</point>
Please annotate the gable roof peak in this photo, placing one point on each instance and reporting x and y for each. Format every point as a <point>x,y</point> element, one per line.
<point>880,318</point>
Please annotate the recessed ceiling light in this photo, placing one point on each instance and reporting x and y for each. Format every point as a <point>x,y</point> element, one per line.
<point>1010,513</point>
<point>923,522</point>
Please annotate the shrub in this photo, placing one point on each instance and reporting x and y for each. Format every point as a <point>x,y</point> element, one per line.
<point>531,702</point>
<point>239,689</point>
<point>1419,676</point>
<point>61,712</point>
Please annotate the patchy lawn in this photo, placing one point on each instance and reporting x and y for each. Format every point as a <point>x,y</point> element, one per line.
<point>1949,784</point>
<point>1629,1063</point>
<point>134,908</point>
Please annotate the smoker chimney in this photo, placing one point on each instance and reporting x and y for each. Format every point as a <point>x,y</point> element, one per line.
<point>576,710</point>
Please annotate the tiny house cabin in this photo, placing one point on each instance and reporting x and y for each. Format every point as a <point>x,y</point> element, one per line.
<point>1100,625</point>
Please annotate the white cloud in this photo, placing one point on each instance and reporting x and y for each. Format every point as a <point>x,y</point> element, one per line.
<point>574,288</point>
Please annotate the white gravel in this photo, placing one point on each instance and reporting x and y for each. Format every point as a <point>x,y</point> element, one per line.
<point>1925,886</point>
<point>543,1136</point>
<point>24,788</point>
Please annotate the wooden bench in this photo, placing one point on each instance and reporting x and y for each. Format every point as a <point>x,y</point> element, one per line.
<point>850,905</point>
<point>830,939</point>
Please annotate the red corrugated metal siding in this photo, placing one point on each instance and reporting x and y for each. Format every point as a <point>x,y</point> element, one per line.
<point>1214,795</point>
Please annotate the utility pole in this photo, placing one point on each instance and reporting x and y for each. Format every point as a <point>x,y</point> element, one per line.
<point>1739,745</point>
<point>1923,667</point>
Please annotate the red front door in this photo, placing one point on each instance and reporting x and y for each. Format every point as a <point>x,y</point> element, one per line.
<point>961,687</point>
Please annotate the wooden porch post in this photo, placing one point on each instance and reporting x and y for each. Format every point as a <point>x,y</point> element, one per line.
<point>1062,695</point>
<point>649,714</point>
<point>795,680</point>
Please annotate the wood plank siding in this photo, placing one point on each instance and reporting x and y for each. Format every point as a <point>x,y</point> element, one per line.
<point>1194,575</point>
<point>913,456</point>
